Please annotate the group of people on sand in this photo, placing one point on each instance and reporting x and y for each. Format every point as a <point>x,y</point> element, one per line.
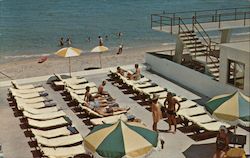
<point>67,42</point>
<point>102,102</point>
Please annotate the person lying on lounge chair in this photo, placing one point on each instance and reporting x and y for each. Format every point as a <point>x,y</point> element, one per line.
<point>222,142</point>
<point>97,100</point>
<point>120,71</point>
<point>170,103</point>
<point>108,111</point>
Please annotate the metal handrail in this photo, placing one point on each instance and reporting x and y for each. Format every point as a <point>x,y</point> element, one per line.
<point>208,46</point>
<point>185,32</point>
<point>216,16</point>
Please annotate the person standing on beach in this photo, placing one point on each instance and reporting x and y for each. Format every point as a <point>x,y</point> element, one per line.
<point>170,103</point>
<point>156,111</point>
<point>61,42</point>
<point>69,42</point>
<point>120,49</point>
<point>100,41</point>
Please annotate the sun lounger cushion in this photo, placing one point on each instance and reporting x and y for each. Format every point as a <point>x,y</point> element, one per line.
<point>44,116</point>
<point>48,123</point>
<point>61,152</point>
<point>191,111</point>
<point>24,91</point>
<point>150,90</point>
<point>108,120</point>
<point>62,131</point>
<point>59,141</point>
<point>27,86</point>
<point>82,91</point>
<point>32,100</point>
<point>30,95</point>
<point>187,104</point>
<point>201,118</point>
<point>41,111</point>
<point>81,86</point>
<point>212,126</point>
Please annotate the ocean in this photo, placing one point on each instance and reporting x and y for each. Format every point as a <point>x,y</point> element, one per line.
<point>34,27</point>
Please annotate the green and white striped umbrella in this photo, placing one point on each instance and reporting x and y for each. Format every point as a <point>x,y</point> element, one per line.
<point>121,140</point>
<point>232,108</point>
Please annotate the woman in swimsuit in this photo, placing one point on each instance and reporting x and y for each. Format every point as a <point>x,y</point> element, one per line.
<point>222,142</point>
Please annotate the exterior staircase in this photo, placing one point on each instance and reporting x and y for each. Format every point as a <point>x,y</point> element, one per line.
<point>200,52</point>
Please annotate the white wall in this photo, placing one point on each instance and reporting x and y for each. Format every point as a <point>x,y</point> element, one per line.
<point>192,79</point>
<point>236,55</point>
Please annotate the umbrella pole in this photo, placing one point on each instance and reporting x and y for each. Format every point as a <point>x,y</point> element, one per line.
<point>69,68</point>
<point>100,60</point>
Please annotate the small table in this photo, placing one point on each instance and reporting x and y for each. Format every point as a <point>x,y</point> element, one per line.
<point>235,153</point>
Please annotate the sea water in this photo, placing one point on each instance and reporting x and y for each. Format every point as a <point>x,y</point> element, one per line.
<point>33,27</point>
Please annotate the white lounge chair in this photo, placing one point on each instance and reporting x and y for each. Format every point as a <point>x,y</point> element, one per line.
<point>27,86</point>
<point>187,104</point>
<point>192,111</point>
<point>82,91</point>
<point>108,120</point>
<point>41,111</point>
<point>59,141</point>
<point>48,123</point>
<point>32,100</point>
<point>25,91</point>
<point>81,86</point>
<point>63,152</point>
<point>21,105</point>
<point>62,131</point>
<point>29,95</point>
<point>44,116</point>
<point>148,91</point>
<point>212,126</point>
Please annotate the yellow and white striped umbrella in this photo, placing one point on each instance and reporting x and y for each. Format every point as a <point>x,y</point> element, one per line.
<point>99,49</point>
<point>68,52</point>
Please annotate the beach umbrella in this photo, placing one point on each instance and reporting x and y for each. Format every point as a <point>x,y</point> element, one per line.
<point>232,108</point>
<point>121,140</point>
<point>100,49</point>
<point>68,52</point>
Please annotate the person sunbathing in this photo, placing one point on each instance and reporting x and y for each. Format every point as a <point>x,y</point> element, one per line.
<point>101,89</point>
<point>120,71</point>
<point>109,111</point>
<point>136,75</point>
<point>95,101</point>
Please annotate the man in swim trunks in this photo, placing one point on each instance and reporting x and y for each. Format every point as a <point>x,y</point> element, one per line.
<point>170,103</point>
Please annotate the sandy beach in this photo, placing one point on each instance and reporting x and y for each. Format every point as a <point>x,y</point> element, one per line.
<point>24,67</point>
<point>18,68</point>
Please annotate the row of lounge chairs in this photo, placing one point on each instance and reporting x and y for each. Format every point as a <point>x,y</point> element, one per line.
<point>75,91</point>
<point>190,113</point>
<point>50,127</point>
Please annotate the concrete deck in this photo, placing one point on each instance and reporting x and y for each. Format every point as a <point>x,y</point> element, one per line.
<point>211,26</point>
<point>15,144</point>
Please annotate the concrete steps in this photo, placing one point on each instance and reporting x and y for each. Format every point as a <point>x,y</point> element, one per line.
<point>198,51</point>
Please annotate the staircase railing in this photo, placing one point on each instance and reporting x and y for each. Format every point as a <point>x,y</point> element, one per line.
<point>197,27</point>
<point>180,28</point>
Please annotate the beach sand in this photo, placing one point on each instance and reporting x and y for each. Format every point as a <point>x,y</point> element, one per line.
<point>18,68</point>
